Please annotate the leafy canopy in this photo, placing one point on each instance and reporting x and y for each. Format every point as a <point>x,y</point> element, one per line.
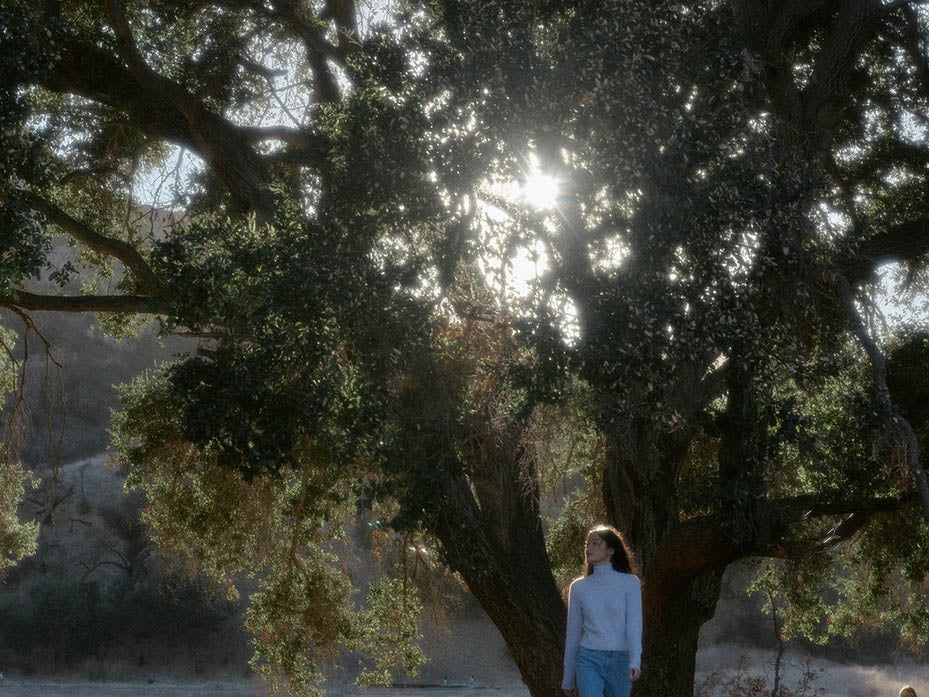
<point>324,199</point>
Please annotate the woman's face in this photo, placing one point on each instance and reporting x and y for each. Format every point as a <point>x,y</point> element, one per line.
<point>597,552</point>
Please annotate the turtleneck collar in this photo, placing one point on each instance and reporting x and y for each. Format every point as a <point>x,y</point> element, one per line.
<point>603,568</point>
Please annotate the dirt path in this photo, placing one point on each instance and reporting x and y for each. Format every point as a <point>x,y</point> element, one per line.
<point>53,688</point>
<point>59,688</point>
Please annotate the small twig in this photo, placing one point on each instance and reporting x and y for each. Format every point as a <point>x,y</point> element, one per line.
<point>780,646</point>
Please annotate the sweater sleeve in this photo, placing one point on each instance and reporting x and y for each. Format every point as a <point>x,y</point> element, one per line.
<point>572,637</point>
<point>634,624</point>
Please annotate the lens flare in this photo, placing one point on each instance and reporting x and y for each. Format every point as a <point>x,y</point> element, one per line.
<point>540,191</point>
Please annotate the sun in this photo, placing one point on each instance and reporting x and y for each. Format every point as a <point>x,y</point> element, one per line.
<point>540,190</point>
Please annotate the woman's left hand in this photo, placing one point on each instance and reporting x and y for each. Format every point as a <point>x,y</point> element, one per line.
<point>634,674</point>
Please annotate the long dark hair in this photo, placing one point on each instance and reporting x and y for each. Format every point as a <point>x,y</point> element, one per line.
<point>622,559</point>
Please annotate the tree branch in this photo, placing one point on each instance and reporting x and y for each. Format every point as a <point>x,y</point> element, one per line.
<point>82,232</point>
<point>343,13</point>
<point>165,111</point>
<point>895,423</point>
<point>124,304</point>
<point>835,64</point>
<point>907,242</point>
<point>126,44</point>
<point>845,530</point>
<point>713,383</point>
<point>791,15</point>
<point>704,544</point>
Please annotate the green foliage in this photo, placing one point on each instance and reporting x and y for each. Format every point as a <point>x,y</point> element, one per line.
<point>8,365</point>
<point>567,536</point>
<point>876,579</point>
<point>726,174</point>
<point>203,509</point>
<point>389,630</point>
<point>17,539</point>
<point>279,527</point>
<point>23,242</point>
<point>884,581</point>
<point>874,583</point>
<point>300,615</point>
<point>293,293</point>
<point>794,595</point>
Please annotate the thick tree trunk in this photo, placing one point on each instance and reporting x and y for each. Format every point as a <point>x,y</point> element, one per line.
<point>519,595</point>
<point>672,627</point>
<point>491,531</point>
<point>530,614</point>
<point>681,565</point>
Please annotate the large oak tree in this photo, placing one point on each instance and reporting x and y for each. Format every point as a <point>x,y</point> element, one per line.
<point>342,242</point>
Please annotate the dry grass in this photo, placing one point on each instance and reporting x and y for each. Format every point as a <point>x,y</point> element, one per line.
<point>726,670</point>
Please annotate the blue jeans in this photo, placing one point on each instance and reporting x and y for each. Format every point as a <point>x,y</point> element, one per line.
<point>602,673</point>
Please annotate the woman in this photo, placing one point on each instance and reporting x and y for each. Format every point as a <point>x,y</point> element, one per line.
<point>603,646</point>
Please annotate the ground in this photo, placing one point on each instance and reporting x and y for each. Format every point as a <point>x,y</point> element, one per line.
<point>723,671</point>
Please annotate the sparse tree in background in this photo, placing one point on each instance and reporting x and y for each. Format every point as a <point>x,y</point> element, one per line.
<point>17,539</point>
<point>349,217</point>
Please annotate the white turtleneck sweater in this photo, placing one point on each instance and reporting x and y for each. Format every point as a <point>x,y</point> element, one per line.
<point>605,614</point>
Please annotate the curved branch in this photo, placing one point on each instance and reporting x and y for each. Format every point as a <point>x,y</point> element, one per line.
<point>166,111</point>
<point>82,232</point>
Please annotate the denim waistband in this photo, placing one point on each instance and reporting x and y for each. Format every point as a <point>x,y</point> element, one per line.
<point>602,652</point>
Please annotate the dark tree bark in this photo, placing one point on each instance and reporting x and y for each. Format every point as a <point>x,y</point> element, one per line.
<point>672,628</point>
<point>481,496</point>
<point>641,472</point>
<point>506,567</point>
